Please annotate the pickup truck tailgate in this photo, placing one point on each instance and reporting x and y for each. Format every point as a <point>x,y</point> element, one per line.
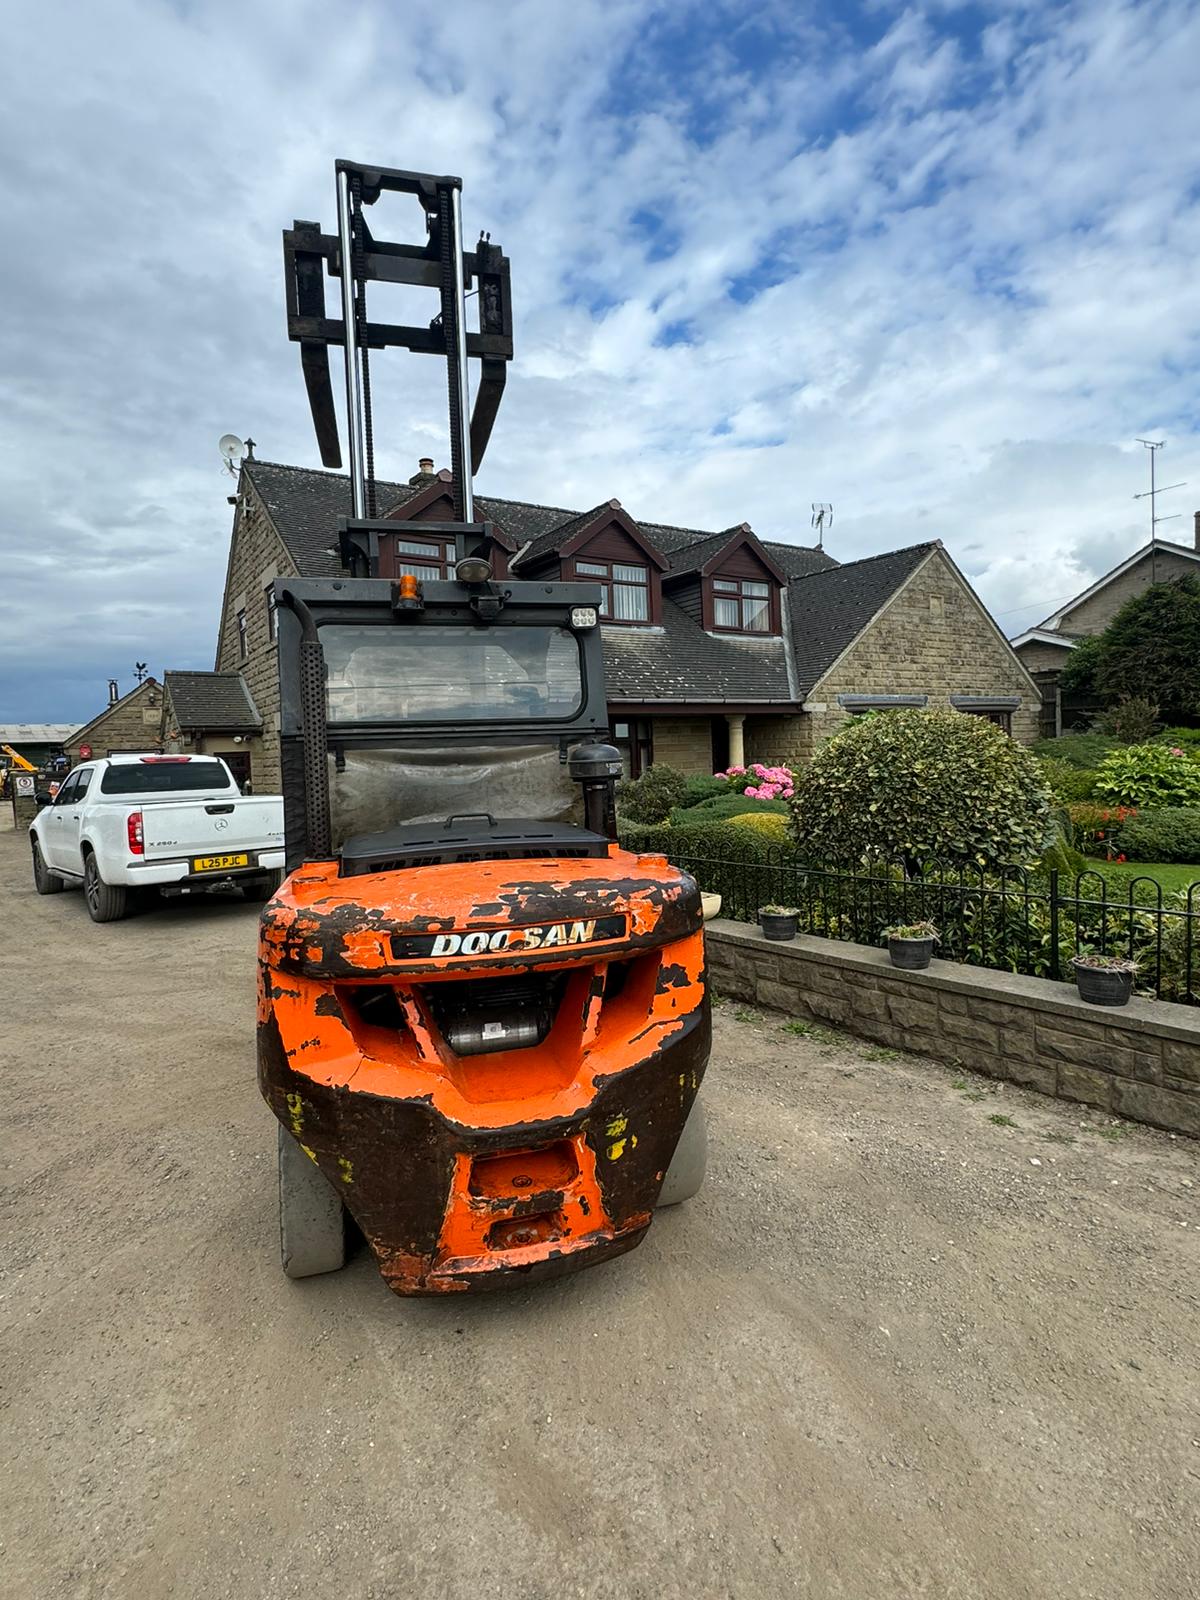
<point>175,828</point>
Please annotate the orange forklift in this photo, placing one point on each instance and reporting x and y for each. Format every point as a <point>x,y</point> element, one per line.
<point>482,1024</point>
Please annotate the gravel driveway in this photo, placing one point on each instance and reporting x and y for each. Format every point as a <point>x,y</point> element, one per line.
<point>917,1336</point>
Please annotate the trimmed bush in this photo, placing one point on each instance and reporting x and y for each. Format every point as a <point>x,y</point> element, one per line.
<point>920,786</point>
<point>723,806</point>
<point>1132,720</point>
<point>1172,835</point>
<point>772,827</point>
<point>653,796</point>
<point>1148,775</point>
<point>1181,738</point>
<point>1068,782</point>
<point>703,786</point>
<point>1077,749</point>
<point>643,835</point>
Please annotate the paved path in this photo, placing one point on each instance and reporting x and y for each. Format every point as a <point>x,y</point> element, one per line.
<point>883,1354</point>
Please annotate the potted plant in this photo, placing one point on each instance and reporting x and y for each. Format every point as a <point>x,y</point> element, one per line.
<point>1104,980</point>
<point>710,905</point>
<point>778,922</point>
<point>910,944</point>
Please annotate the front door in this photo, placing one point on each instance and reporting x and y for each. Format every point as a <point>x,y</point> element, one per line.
<point>238,762</point>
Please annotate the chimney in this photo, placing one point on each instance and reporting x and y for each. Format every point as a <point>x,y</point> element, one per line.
<point>424,473</point>
<point>1196,529</point>
<point>113,696</point>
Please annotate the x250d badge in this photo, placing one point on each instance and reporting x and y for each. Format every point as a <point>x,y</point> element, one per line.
<point>498,941</point>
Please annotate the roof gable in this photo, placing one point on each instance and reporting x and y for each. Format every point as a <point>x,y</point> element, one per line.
<point>828,610</point>
<point>1055,620</point>
<point>142,688</point>
<point>708,555</point>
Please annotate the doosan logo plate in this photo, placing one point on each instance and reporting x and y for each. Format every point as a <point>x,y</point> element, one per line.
<point>506,941</point>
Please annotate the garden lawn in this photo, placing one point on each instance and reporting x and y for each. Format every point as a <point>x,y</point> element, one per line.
<point>1171,875</point>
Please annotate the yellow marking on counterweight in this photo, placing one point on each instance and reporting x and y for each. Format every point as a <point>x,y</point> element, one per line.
<point>311,1154</point>
<point>346,1168</point>
<point>296,1111</point>
<point>617,1150</point>
<point>617,1127</point>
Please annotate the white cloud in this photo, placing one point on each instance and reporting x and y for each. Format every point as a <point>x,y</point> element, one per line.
<point>941,280</point>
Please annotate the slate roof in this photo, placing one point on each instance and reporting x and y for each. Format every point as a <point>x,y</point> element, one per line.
<point>826,605</point>
<point>828,610</point>
<point>680,662</point>
<point>211,700</point>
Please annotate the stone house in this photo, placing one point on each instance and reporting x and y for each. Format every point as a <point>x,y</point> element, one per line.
<point>719,647</point>
<point>1044,649</point>
<point>130,723</point>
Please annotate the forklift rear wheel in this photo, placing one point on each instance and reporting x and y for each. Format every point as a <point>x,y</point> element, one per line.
<point>312,1225</point>
<point>686,1172</point>
<point>44,881</point>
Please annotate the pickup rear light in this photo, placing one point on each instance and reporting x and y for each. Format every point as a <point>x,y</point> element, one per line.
<point>164,761</point>
<point>133,830</point>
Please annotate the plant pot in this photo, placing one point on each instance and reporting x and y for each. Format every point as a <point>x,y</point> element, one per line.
<point>780,929</point>
<point>1100,986</point>
<point>710,905</point>
<point>911,954</point>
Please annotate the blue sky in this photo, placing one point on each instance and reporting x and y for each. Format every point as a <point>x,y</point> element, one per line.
<point>935,264</point>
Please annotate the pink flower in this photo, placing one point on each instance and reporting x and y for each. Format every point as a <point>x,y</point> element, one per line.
<point>1175,750</point>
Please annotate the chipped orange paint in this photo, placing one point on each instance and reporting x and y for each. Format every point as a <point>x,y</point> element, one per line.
<point>324,937</point>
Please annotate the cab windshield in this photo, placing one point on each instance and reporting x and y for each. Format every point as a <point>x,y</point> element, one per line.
<point>450,674</point>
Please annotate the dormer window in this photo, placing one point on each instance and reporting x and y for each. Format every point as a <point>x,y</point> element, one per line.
<point>624,588</point>
<point>426,559</point>
<point>741,605</point>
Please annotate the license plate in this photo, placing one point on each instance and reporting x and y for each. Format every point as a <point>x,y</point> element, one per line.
<point>219,863</point>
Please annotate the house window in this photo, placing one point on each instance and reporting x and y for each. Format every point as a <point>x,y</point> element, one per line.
<point>243,638</point>
<point>1002,719</point>
<point>996,708</point>
<point>426,559</point>
<point>635,741</point>
<point>741,605</point>
<point>272,619</point>
<point>624,587</point>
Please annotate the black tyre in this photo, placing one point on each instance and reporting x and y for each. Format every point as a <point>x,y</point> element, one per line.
<point>312,1222</point>
<point>261,889</point>
<point>106,902</point>
<point>44,881</point>
<point>686,1172</point>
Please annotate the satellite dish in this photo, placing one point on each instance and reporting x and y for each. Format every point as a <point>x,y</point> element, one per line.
<point>232,449</point>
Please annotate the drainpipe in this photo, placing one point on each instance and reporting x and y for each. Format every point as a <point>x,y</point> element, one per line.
<point>737,744</point>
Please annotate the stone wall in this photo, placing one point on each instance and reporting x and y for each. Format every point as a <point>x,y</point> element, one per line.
<point>257,556</point>
<point>933,639</point>
<point>1141,1061</point>
<point>684,743</point>
<point>132,724</point>
<point>1037,657</point>
<point>1095,614</point>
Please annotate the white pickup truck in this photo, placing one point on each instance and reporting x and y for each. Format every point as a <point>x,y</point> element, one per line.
<point>177,824</point>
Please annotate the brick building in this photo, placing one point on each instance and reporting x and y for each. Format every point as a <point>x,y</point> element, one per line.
<point>131,723</point>
<point>1044,649</point>
<point>719,647</point>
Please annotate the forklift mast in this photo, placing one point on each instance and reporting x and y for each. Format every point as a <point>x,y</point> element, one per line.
<point>403,701</point>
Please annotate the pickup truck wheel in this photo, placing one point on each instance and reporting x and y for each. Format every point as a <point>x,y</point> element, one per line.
<point>312,1223</point>
<point>106,902</point>
<point>262,889</point>
<point>44,881</point>
<point>686,1172</point>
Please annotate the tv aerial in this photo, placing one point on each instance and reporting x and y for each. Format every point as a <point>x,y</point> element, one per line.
<point>233,452</point>
<point>822,518</point>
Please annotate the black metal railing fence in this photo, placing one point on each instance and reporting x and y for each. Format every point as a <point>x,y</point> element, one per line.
<point>1011,919</point>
